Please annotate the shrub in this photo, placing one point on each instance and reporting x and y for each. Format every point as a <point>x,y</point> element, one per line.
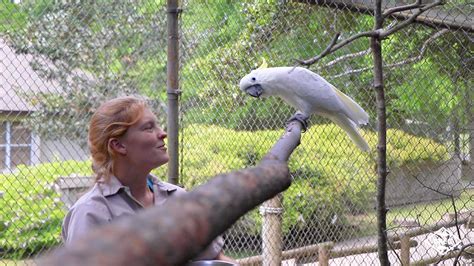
<point>31,210</point>
<point>328,181</point>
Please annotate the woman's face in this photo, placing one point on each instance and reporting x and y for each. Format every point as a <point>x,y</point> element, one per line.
<point>144,142</point>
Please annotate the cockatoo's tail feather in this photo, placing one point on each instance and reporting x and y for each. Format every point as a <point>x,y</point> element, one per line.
<point>350,128</point>
<point>356,114</point>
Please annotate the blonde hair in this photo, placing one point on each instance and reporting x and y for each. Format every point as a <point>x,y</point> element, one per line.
<point>111,120</point>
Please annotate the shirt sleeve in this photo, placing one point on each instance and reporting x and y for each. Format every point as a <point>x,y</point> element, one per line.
<point>212,250</point>
<point>80,220</point>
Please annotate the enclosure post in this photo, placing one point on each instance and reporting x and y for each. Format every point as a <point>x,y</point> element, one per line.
<point>470,115</point>
<point>272,210</point>
<point>470,168</point>
<point>324,253</point>
<point>376,45</point>
<point>173,91</point>
<point>405,250</point>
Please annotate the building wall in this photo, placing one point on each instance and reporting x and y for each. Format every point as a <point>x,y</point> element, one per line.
<point>61,150</point>
<point>404,188</point>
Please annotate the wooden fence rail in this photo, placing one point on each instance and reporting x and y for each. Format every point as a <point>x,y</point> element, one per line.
<point>401,240</point>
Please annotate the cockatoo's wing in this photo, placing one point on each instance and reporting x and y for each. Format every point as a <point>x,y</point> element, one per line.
<point>315,91</point>
<point>327,95</point>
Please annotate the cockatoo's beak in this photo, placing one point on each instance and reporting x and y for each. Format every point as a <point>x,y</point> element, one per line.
<point>254,90</point>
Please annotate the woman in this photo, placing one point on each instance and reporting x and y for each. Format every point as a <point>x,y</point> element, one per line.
<point>126,143</point>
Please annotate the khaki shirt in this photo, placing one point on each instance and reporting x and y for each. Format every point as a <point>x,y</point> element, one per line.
<point>109,201</point>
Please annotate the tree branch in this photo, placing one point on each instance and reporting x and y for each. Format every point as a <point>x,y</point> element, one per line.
<point>344,57</point>
<point>349,56</point>
<point>452,202</point>
<point>410,20</point>
<point>394,251</point>
<point>422,50</point>
<point>334,47</point>
<point>414,59</point>
<point>392,10</point>
<point>456,260</point>
<point>324,53</point>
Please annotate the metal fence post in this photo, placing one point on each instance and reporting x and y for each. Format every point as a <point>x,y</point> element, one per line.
<point>173,91</point>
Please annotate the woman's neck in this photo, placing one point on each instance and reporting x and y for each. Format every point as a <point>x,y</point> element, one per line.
<point>135,180</point>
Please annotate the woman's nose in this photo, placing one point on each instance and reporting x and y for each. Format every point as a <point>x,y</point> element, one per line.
<point>162,134</point>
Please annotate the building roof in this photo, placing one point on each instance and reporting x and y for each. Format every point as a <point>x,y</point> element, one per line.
<point>18,79</point>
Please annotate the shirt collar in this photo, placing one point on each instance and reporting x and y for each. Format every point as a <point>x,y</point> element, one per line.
<point>113,186</point>
<point>162,185</point>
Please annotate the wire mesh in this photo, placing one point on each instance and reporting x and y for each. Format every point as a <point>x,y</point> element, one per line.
<point>60,59</point>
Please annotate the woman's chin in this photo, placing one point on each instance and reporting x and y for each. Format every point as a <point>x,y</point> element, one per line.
<point>163,161</point>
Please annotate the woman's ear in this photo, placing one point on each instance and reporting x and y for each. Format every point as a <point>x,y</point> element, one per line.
<point>116,146</point>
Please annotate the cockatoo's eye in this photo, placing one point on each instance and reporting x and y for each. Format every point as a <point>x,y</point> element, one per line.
<point>253,79</point>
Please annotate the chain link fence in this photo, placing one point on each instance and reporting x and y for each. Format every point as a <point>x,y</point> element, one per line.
<point>60,59</point>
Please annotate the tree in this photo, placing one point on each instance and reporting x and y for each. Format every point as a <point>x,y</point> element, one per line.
<point>377,35</point>
<point>92,51</point>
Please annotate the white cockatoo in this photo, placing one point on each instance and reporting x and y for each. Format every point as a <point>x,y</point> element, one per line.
<point>310,94</point>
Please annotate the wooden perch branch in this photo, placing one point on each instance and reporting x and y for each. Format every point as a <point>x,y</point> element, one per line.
<point>287,143</point>
<point>192,220</point>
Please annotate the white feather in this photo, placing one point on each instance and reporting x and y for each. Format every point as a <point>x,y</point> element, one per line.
<point>311,94</point>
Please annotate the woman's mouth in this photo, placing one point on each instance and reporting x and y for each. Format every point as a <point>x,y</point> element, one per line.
<point>162,147</point>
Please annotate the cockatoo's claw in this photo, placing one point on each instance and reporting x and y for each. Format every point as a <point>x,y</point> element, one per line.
<point>302,118</point>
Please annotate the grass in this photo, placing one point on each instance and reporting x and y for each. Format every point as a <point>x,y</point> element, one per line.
<point>431,213</point>
<point>16,262</point>
<point>424,213</point>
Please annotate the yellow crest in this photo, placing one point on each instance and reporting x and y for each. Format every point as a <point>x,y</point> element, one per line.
<point>264,64</point>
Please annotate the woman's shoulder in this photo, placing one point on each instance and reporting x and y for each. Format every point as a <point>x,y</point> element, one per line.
<point>92,199</point>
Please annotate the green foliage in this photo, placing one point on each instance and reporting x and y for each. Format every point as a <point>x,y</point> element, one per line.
<point>284,31</point>
<point>31,211</point>
<point>433,89</point>
<point>11,17</point>
<point>333,182</point>
<point>258,29</point>
<point>92,56</point>
<point>222,41</point>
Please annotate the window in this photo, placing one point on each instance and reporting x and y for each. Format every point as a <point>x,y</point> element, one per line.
<point>16,145</point>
